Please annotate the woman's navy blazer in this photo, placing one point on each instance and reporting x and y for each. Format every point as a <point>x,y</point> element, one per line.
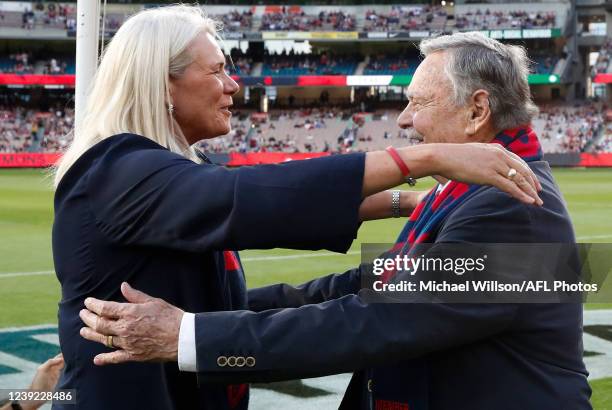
<point>130,210</point>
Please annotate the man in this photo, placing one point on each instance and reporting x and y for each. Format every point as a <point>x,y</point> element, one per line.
<point>406,355</point>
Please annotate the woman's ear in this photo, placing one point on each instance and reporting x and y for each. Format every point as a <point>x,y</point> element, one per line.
<point>171,89</point>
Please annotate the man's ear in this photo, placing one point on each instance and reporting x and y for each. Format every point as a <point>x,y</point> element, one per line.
<point>479,112</point>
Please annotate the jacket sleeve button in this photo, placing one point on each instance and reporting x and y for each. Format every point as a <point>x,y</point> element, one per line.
<point>221,361</point>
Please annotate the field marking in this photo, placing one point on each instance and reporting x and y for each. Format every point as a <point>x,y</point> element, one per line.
<point>18,274</point>
<point>247,259</point>
<point>271,258</point>
<point>50,338</point>
<point>34,327</point>
<point>604,236</point>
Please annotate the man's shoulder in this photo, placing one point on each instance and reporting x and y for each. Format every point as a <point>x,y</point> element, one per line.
<point>511,220</point>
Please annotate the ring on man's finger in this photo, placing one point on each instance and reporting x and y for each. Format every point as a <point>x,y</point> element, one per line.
<point>511,173</point>
<point>109,342</point>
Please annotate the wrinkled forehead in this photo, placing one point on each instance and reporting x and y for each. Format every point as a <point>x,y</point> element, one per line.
<point>430,80</point>
<point>206,51</point>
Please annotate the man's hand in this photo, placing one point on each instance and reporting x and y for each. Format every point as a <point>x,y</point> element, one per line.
<point>147,329</point>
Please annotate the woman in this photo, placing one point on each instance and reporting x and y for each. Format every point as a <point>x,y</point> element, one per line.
<point>133,203</point>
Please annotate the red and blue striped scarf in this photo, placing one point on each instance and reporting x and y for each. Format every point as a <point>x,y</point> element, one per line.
<point>425,220</point>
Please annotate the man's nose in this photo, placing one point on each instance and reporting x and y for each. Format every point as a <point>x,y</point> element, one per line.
<point>405,119</point>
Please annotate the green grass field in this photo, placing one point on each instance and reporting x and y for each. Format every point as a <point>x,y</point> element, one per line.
<point>29,292</point>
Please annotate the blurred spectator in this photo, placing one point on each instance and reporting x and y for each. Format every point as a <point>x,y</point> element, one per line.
<point>300,21</point>
<point>406,18</point>
<point>24,63</point>
<point>18,63</point>
<point>603,60</point>
<point>24,130</point>
<point>570,128</point>
<point>515,19</point>
<point>399,64</point>
<point>236,21</point>
<point>325,63</point>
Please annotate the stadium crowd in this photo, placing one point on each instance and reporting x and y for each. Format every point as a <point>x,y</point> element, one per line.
<point>23,130</point>
<point>236,20</point>
<point>562,128</point>
<point>325,63</point>
<point>18,63</point>
<point>291,63</point>
<point>24,63</point>
<point>406,18</point>
<point>487,19</point>
<point>571,128</point>
<point>294,18</point>
<point>391,64</point>
<point>297,20</point>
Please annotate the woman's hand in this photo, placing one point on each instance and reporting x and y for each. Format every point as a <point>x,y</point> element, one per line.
<point>487,164</point>
<point>45,379</point>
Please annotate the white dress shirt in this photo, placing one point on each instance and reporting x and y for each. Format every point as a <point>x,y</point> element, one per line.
<point>187,344</point>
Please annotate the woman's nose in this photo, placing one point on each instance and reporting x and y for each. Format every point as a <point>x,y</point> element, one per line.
<point>231,86</point>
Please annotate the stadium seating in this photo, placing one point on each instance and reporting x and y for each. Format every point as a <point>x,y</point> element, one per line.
<point>544,64</point>
<point>569,128</point>
<point>307,64</point>
<point>487,20</point>
<point>561,127</point>
<point>406,18</point>
<point>236,20</point>
<point>282,18</point>
<point>23,130</point>
<point>391,65</point>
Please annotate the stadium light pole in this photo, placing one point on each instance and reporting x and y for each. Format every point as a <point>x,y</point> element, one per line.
<point>88,31</point>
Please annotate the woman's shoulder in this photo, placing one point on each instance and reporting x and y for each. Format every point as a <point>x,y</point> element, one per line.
<point>125,147</point>
<point>122,157</point>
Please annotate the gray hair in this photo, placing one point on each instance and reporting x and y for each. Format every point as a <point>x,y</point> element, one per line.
<point>478,62</point>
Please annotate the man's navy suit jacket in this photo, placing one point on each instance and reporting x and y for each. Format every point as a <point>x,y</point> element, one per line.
<point>428,356</point>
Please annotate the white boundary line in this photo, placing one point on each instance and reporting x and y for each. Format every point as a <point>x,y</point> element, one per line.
<point>22,328</point>
<point>18,274</point>
<point>247,259</point>
<point>267,258</point>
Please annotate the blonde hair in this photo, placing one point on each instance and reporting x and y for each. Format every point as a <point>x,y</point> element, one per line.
<point>131,88</point>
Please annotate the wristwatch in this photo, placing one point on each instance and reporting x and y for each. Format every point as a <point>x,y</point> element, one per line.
<point>396,210</point>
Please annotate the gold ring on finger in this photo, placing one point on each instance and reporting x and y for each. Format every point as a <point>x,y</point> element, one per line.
<point>109,342</point>
<point>511,173</point>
